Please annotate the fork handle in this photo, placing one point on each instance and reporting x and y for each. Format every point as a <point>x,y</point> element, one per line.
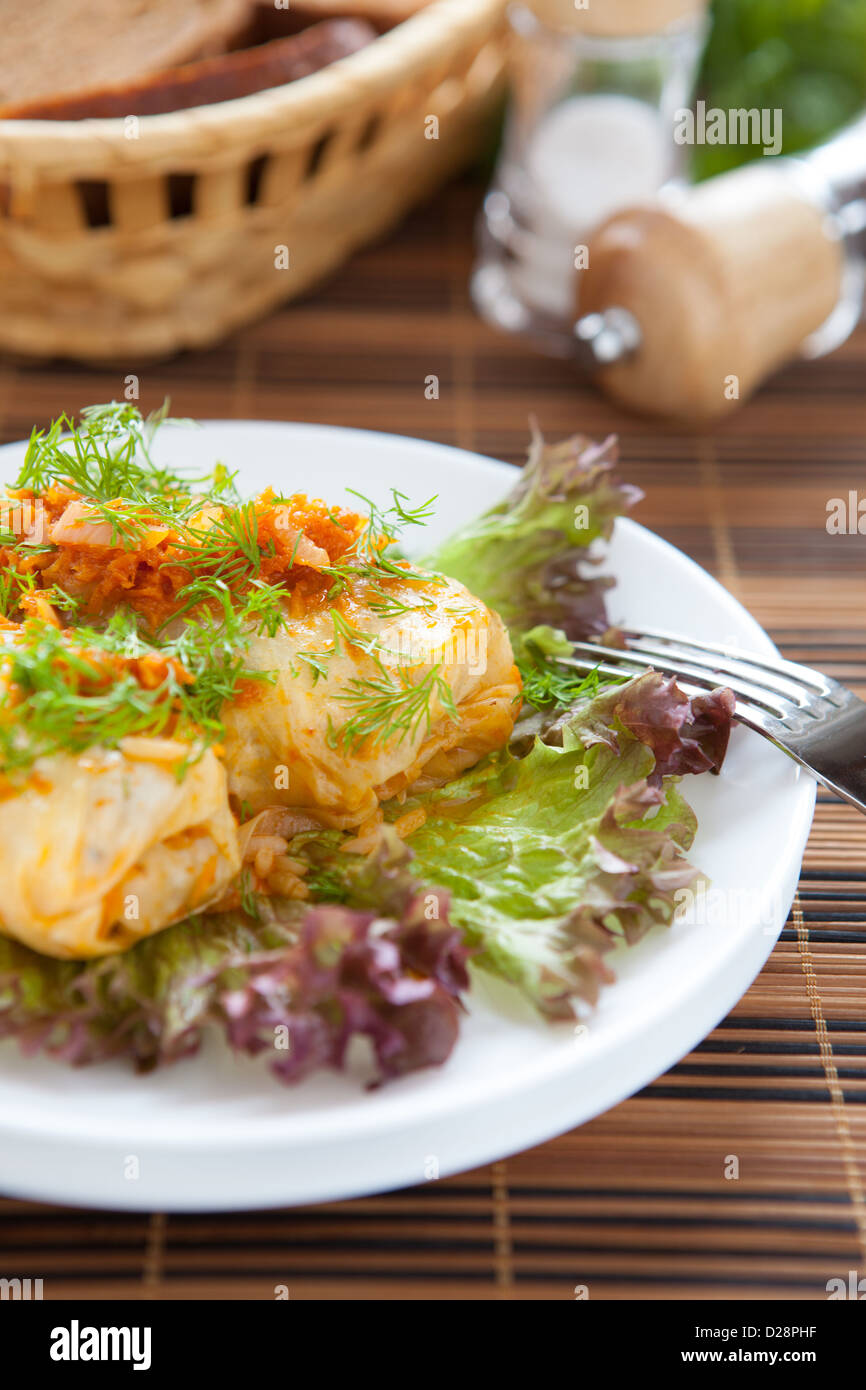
<point>837,755</point>
<point>848,783</point>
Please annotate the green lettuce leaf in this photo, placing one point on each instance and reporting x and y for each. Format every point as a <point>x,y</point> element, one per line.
<point>551,858</point>
<point>528,557</point>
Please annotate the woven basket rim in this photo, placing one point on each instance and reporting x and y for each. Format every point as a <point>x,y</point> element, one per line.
<point>217,128</point>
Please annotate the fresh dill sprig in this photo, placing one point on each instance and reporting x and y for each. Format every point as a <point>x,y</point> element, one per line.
<point>212,648</point>
<point>250,899</point>
<point>371,558</point>
<point>58,598</point>
<point>105,456</point>
<point>384,524</point>
<point>385,708</point>
<point>64,698</point>
<point>231,538</point>
<point>14,584</point>
<point>545,683</point>
<point>346,632</point>
<point>327,885</point>
<point>387,604</point>
<point>317,662</point>
<point>264,608</point>
<point>345,635</point>
<point>64,694</point>
<point>17,585</point>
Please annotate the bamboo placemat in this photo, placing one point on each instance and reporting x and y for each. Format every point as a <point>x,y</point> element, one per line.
<point>635,1204</point>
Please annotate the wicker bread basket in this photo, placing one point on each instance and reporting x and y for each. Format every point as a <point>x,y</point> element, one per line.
<point>138,239</point>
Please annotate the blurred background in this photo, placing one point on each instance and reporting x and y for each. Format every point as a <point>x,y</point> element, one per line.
<point>807,57</point>
<point>189,211</point>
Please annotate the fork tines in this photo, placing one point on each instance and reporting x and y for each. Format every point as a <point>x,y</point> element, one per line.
<point>778,688</point>
<point>816,720</point>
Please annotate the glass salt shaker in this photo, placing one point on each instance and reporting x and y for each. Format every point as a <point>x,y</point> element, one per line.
<point>596,88</point>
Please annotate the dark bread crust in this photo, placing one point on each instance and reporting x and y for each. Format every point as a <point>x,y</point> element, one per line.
<point>383,13</point>
<point>53,48</point>
<point>231,75</point>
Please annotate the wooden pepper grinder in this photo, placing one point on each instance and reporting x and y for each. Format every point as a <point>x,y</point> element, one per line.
<point>694,300</point>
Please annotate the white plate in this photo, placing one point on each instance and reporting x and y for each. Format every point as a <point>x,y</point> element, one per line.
<point>219,1132</point>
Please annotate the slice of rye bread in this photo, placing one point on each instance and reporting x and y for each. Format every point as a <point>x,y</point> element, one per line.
<point>231,75</point>
<point>51,48</point>
<point>266,21</point>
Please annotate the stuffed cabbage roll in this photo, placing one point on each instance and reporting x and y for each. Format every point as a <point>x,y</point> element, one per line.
<point>102,848</point>
<point>366,704</point>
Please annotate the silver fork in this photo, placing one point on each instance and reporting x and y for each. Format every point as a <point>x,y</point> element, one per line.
<point>818,722</point>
